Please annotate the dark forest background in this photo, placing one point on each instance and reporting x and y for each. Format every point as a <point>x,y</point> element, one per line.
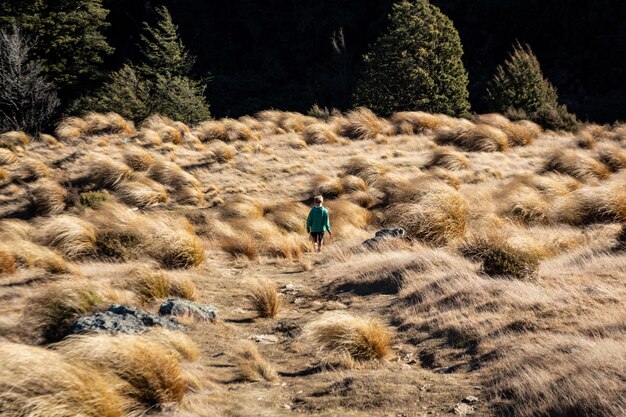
<point>279,53</point>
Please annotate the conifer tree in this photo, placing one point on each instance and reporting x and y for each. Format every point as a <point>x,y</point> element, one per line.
<point>160,83</point>
<point>415,65</point>
<point>520,90</point>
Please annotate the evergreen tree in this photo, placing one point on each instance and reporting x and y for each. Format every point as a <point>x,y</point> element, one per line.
<point>160,83</point>
<point>70,38</point>
<point>415,65</point>
<point>519,89</point>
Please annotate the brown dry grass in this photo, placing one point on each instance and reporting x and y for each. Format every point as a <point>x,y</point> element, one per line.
<point>613,157</point>
<point>7,157</point>
<point>448,158</point>
<point>361,124</point>
<point>474,138</point>
<point>339,334</point>
<point>575,164</point>
<point>152,368</point>
<point>240,245</point>
<point>263,296</point>
<point>73,237</point>
<point>8,263</point>
<point>47,197</point>
<point>319,134</point>
<point>251,366</point>
<point>225,130</point>
<point>35,381</point>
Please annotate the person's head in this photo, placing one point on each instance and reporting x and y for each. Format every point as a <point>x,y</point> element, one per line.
<point>318,200</point>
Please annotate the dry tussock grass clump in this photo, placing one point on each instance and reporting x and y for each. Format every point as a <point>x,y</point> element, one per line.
<point>288,216</point>
<point>168,130</point>
<point>584,140</point>
<point>352,183</point>
<point>565,375</point>
<point>319,134</point>
<point>592,205</point>
<point>150,284</point>
<point>137,158</point>
<point>31,255</point>
<point>361,124</point>
<point>125,234</point>
<point>55,309</point>
<point>142,192</point>
<point>73,128</point>
<point>225,130</point>
<point>346,215</point>
<point>521,133</point>
<point>525,204</point>
<point>251,366</point>
<point>499,257</point>
<point>416,122</point>
<point>105,172</point>
<point>152,369</point>
<point>14,138</point>
<point>241,245</point>
<point>576,165</point>
<point>367,170</point>
<point>328,187</point>
<point>222,151</point>
<point>438,217</point>
<point>263,296</point>
<point>30,169</point>
<point>8,263</point>
<point>613,157</point>
<point>184,186</point>
<point>35,381</point>
<point>342,336</point>
<point>7,157</point>
<point>448,158</point>
<point>73,237</point>
<point>47,197</point>
<point>242,207</point>
<point>473,138</point>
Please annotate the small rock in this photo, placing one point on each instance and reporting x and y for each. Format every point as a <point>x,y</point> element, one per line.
<point>265,339</point>
<point>286,406</point>
<point>383,235</point>
<point>122,319</point>
<point>463,409</point>
<point>180,307</point>
<point>470,399</point>
<point>298,301</point>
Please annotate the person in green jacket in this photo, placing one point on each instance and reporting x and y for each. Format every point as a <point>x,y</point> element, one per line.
<point>318,222</point>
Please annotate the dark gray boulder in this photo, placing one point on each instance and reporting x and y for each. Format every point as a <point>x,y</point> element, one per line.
<point>385,234</point>
<point>122,319</point>
<point>180,307</point>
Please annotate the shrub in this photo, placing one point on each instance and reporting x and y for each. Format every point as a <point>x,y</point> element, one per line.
<point>35,381</point>
<point>264,298</point>
<point>152,369</point>
<point>415,65</point>
<point>361,339</point>
<point>93,198</point>
<point>251,366</point>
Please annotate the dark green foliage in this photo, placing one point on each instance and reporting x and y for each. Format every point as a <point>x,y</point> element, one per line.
<point>160,83</point>
<point>519,89</point>
<point>93,198</point>
<point>415,65</point>
<point>70,38</point>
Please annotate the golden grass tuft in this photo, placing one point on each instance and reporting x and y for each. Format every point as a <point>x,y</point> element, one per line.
<point>240,245</point>
<point>152,368</point>
<point>178,342</point>
<point>613,157</point>
<point>107,173</point>
<point>29,169</point>
<point>183,287</point>
<point>592,205</point>
<point>172,175</point>
<point>223,152</point>
<point>31,255</point>
<point>35,381</point>
<point>72,129</point>
<point>367,170</point>
<point>361,124</point>
<point>340,335</point>
<point>225,130</point>
<point>8,263</point>
<point>288,216</point>
<point>328,187</point>
<point>7,157</point>
<point>352,183</point>
<point>137,158</point>
<point>448,158</point>
<point>576,165</point>
<point>263,296</point>
<point>47,197</point>
<point>73,237</point>
<point>518,133</point>
<point>410,123</point>
<point>319,134</point>
<point>141,192</point>
<point>14,138</point>
<point>168,130</point>
<point>149,284</point>
<point>55,309</point>
<point>473,138</point>
<point>251,366</point>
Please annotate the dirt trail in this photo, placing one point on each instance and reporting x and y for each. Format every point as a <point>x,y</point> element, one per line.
<point>402,386</point>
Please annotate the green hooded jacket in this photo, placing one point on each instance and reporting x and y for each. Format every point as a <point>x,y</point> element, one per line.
<point>318,220</point>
